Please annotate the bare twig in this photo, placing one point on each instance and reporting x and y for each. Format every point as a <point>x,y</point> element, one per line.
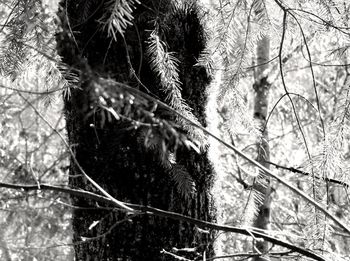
<point>291,169</point>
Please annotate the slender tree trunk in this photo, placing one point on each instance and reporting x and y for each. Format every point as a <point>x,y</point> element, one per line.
<point>113,152</point>
<point>262,182</point>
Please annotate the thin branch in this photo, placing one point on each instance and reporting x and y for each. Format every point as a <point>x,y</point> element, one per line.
<point>97,186</point>
<point>294,170</point>
<point>248,255</point>
<point>260,64</point>
<point>33,92</point>
<point>284,23</point>
<point>239,153</point>
<point>312,75</point>
<point>166,214</point>
<point>324,22</point>
<point>180,258</point>
<point>280,99</point>
<point>8,17</point>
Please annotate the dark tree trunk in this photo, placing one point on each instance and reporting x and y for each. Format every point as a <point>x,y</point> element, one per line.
<point>113,152</point>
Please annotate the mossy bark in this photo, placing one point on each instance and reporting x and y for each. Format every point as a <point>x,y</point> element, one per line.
<point>112,152</point>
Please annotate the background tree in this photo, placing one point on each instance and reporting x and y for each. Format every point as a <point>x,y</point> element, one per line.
<point>294,126</point>
<point>262,184</point>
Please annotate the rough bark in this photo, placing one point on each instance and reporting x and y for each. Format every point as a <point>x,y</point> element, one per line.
<point>262,183</point>
<point>113,153</point>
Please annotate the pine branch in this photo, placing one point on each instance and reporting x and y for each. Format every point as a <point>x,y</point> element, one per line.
<point>183,181</point>
<point>118,17</point>
<point>165,65</point>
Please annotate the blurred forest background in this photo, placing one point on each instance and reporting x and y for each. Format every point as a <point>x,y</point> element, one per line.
<point>280,94</point>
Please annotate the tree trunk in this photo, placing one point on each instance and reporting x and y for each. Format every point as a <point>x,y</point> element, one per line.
<point>113,152</point>
<point>262,185</point>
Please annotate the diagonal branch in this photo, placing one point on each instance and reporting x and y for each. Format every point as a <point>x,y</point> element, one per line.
<point>306,197</point>
<point>166,214</point>
<point>139,93</point>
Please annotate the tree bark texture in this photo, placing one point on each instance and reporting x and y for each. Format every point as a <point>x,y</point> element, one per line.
<point>113,152</point>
